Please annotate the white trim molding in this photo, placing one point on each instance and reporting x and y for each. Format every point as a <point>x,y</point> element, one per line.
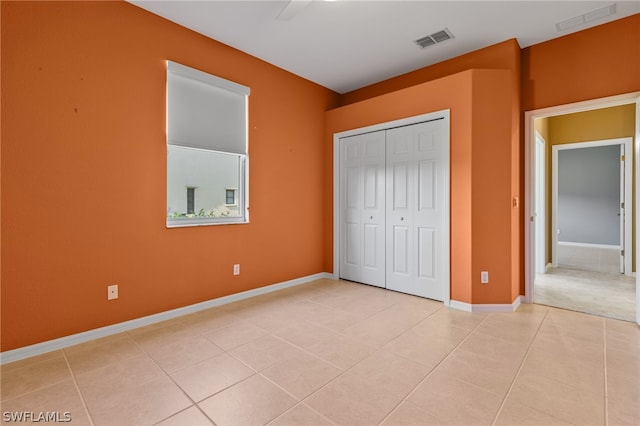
<point>74,339</point>
<point>487,308</point>
<point>588,245</point>
<point>529,167</point>
<point>434,115</point>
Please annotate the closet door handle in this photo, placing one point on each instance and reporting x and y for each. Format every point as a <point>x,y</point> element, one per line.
<point>402,218</point>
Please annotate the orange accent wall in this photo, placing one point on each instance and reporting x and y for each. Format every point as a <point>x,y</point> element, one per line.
<point>480,173</point>
<point>595,63</point>
<point>84,172</point>
<point>497,56</point>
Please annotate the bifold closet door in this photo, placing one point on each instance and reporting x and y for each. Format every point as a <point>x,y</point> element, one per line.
<point>416,192</point>
<point>362,200</point>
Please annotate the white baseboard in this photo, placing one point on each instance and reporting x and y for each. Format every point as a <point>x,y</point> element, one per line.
<point>74,339</point>
<point>588,245</point>
<point>486,308</point>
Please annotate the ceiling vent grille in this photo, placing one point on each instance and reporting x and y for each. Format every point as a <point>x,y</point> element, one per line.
<point>586,18</point>
<point>435,38</point>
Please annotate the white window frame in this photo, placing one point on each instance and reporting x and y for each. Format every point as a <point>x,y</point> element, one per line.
<point>238,146</point>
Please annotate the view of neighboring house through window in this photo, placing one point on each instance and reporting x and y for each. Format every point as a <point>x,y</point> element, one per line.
<point>231,197</point>
<point>191,195</point>
<point>206,149</point>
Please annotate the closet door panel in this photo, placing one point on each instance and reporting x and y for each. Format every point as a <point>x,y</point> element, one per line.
<point>401,193</point>
<point>362,197</point>
<point>431,214</point>
<point>422,150</point>
<point>394,208</point>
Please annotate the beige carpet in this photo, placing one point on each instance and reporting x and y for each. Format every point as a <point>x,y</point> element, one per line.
<point>598,293</point>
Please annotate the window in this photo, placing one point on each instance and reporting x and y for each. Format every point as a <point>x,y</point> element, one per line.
<point>191,200</point>
<point>230,197</point>
<point>206,148</point>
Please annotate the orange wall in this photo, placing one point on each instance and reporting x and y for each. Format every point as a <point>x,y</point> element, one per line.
<point>480,105</point>
<point>497,56</point>
<point>83,172</point>
<point>595,63</point>
<point>495,220</point>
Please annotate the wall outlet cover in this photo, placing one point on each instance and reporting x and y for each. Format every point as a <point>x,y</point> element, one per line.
<point>112,292</point>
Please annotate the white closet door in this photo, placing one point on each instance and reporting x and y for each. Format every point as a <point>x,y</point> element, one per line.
<point>417,200</point>
<point>362,198</point>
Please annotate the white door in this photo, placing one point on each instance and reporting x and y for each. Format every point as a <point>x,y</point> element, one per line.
<point>362,199</point>
<point>636,143</point>
<point>622,212</point>
<point>417,209</point>
<point>540,207</point>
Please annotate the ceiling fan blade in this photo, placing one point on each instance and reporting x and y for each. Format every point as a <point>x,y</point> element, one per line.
<point>292,9</point>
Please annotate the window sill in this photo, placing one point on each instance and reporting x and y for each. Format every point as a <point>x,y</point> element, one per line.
<point>188,222</point>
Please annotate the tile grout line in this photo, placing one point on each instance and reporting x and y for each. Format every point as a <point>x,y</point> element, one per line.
<point>517,375</point>
<point>39,388</point>
<point>227,352</point>
<point>430,373</point>
<point>195,404</point>
<point>299,401</point>
<point>259,373</point>
<point>304,351</point>
<point>342,373</point>
<point>75,383</point>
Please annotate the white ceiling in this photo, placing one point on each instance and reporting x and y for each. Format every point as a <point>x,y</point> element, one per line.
<point>347,44</point>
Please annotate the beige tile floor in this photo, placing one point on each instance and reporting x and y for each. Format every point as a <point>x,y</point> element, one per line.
<point>334,352</point>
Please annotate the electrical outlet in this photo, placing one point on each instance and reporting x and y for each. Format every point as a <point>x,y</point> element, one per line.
<point>236,269</point>
<point>112,292</point>
<point>484,277</point>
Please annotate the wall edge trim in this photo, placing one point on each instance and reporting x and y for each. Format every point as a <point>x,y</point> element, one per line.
<point>487,308</point>
<point>85,336</point>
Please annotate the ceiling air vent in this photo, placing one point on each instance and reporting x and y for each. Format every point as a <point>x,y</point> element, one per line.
<point>437,37</point>
<point>586,18</point>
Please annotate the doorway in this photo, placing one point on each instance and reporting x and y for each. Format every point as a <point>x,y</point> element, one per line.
<point>535,209</point>
<point>592,206</point>
<point>391,194</point>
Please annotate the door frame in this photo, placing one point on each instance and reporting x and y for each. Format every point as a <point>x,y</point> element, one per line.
<point>540,213</point>
<point>444,114</point>
<point>529,167</point>
<point>626,185</point>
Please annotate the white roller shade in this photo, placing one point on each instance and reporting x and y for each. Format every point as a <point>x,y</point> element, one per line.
<point>205,111</point>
